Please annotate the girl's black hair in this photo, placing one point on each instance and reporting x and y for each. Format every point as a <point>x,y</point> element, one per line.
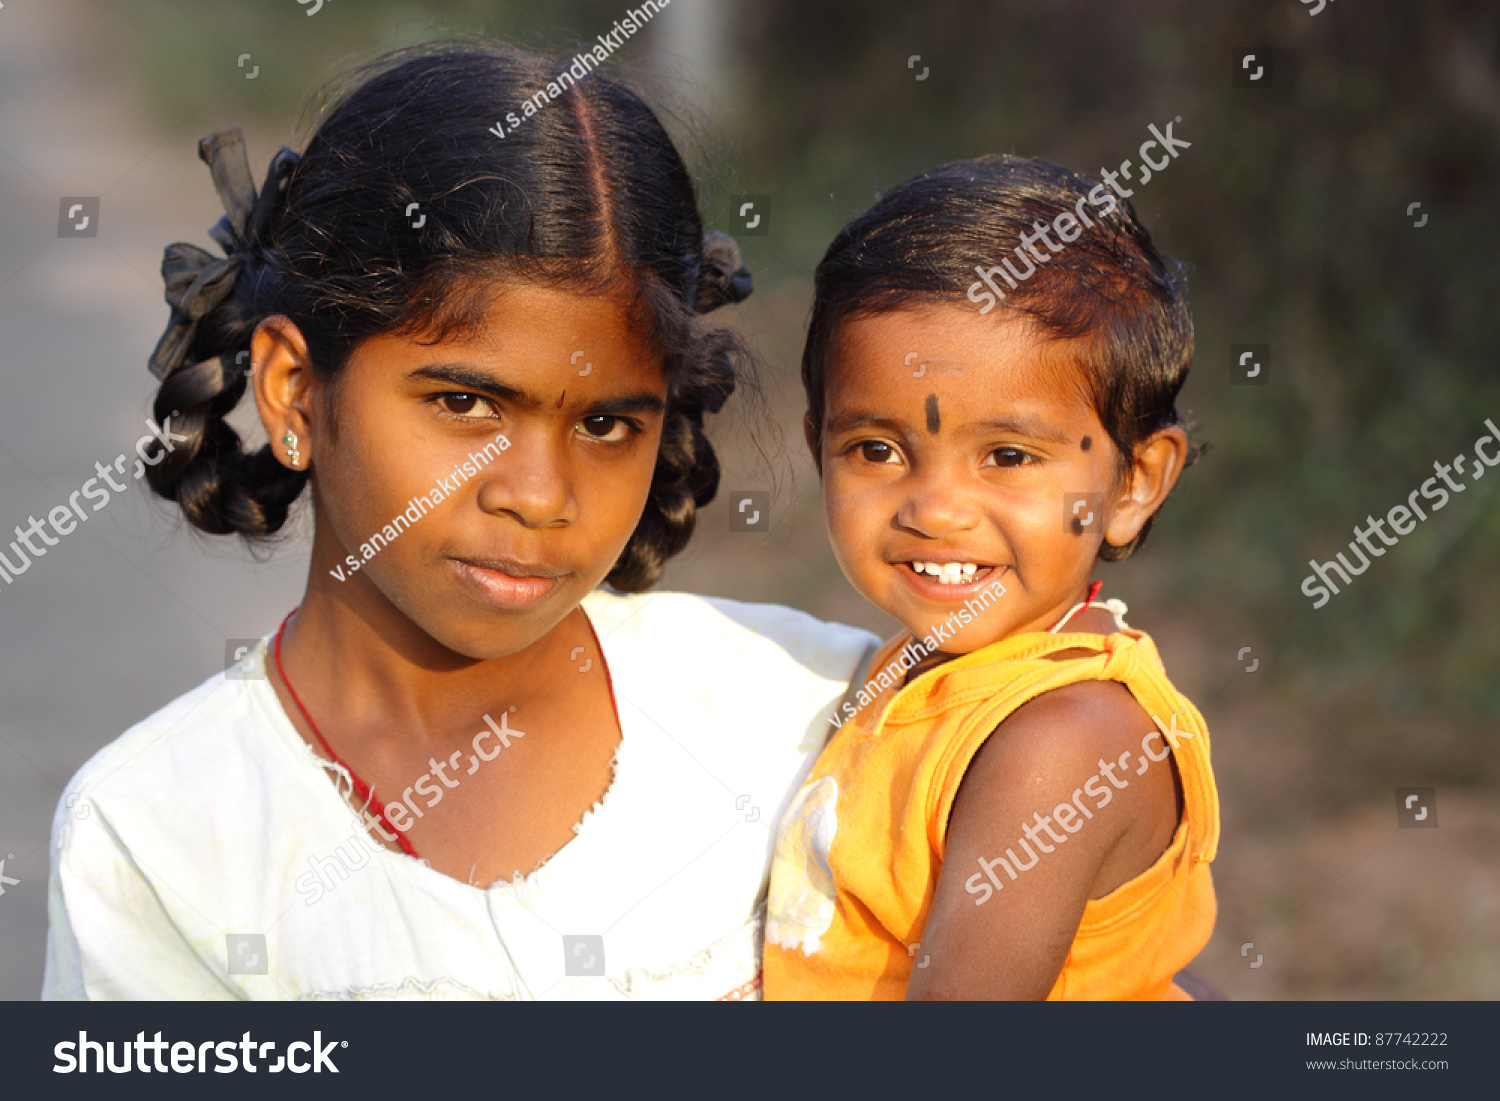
<point>929,240</point>
<point>587,194</point>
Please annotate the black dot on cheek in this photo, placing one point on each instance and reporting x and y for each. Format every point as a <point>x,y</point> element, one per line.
<point>1088,442</point>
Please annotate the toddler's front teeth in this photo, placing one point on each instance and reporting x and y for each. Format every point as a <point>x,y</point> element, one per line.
<point>947,573</point>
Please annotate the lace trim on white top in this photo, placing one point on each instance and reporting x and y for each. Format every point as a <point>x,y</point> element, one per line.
<point>343,785</point>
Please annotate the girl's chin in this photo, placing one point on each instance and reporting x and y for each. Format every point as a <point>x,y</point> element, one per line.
<point>486,636</point>
<point>485,643</point>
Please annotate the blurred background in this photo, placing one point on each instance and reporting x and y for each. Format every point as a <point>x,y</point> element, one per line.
<point>1293,211</point>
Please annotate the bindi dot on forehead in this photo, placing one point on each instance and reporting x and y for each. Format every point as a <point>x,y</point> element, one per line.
<point>1088,442</point>
<point>933,422</point>
<point>560,399</point>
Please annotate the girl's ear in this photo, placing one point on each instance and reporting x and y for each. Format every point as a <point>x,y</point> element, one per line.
<point>1153,473</point>
<point>814,443</point>
<point>281,371</point>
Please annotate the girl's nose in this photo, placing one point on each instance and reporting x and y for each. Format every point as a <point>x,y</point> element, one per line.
<point>531,481</point>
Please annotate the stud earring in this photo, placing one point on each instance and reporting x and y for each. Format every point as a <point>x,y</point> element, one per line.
<point>293,456</point>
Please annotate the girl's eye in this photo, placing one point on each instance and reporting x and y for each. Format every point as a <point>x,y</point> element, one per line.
<point>873,451</point>
<point>467,406</point>
<point>608,429</point>
<point>1009,456</point>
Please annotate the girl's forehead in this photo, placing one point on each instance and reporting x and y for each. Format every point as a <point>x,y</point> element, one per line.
<point>527,319</point>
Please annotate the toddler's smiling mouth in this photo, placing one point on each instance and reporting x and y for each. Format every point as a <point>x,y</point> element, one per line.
<point>951,573</point>
<point>944,578</point>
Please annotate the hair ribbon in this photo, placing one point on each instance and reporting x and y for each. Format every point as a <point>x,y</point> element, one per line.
<point>196,280</point>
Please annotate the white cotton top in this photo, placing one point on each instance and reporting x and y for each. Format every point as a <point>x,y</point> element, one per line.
<point>211,855</point>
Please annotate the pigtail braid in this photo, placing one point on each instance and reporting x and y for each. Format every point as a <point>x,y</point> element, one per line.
<point>687,469</point>
<point>221,488</point>
<point>203,357</point>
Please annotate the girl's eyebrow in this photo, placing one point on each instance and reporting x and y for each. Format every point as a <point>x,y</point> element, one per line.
<point>476,381</point>
<point>643,402</point>
<point>473,380</point>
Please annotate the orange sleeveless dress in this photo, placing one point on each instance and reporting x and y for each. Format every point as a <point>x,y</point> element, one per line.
<point>860,847</point>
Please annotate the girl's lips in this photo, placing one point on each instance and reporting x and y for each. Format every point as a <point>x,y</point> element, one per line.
<point>930,588</point>
<point>502,589</point>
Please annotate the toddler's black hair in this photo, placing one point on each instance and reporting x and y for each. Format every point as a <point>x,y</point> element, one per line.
<point>587,194</point>
<point>933,238</point>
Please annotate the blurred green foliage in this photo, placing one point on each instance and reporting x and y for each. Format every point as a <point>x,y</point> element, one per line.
<point>1289,210</point>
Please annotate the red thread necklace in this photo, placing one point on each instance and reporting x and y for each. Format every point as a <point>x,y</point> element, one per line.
<point>361,788</point>
<point>1088,602</point>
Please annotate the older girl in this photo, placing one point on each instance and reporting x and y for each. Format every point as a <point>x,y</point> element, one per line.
<point>460,768</point>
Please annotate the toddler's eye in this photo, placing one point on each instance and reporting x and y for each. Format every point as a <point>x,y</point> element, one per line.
<point>873,451</point>
<point>468,406</point>
<point>1008,456</point>
<point>607,429</point>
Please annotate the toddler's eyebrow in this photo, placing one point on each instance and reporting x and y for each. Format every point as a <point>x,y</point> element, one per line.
<point>1030,427</point>
<point>848,422</point>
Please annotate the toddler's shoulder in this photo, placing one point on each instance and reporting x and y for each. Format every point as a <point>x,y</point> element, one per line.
<point>1081,721</point>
